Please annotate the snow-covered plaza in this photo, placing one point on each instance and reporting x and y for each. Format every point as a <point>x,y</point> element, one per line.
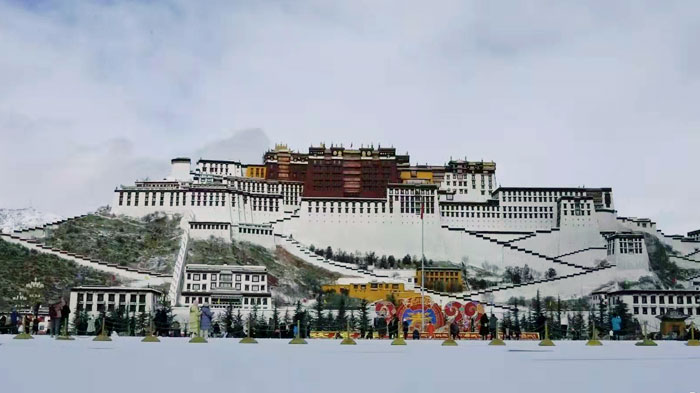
<point>174,365</point>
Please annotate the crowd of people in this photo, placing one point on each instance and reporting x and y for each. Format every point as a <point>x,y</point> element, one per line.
<point>30,322</point>
<point>487,328</point>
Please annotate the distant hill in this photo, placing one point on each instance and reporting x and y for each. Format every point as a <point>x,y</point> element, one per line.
<point>11,219</point>
<point>19,266</point>
<point>151,242</point>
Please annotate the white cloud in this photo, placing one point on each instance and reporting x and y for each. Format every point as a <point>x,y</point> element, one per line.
<point>594,93</point>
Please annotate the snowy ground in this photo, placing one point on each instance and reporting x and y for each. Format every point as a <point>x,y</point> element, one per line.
<point>224,365</point>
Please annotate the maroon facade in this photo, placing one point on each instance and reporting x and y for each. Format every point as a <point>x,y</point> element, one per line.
<point>337,172</point>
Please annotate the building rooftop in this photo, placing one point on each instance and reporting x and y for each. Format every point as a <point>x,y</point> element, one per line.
<point>655,291</point>
<point>115,289</point>
<point>232,268</point>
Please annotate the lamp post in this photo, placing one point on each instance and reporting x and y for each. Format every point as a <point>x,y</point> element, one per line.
<point>34,290</point>
<point>19,301</point>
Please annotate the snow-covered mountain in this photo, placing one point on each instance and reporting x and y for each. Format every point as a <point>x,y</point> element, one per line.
<point>11,219</point>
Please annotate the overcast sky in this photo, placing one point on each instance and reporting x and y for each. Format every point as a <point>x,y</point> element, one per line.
<point>557,93</point>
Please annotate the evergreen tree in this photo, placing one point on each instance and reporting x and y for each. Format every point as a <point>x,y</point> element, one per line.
<point>353,320</point>
<point>238,330</point>
<point>383,263</point>
<point>364,315</point>
<point>143,324</point>
<point>391,261</point>
<point>329,253</point>
<point>524,324</point>
<point>341,317</point>
<point>560,333</point>
<point>252,321</point>
<point>227,320</point>
<point>506,323</point>
<point>298,312</point>
<point>286,320</point>
<point>602,323</point>
<point>80,322</point>
<point>275,319</point>
<point>537,306</point>
<point>590,324</point>
<point>261,327</point>
<point>318,308</point>
<point>164,317</point>
<point>516,320</point>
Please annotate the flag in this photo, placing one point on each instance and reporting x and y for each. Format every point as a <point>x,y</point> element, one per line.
<point>421,208</point>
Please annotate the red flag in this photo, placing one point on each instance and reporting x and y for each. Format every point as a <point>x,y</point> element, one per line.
<point>421,208</point>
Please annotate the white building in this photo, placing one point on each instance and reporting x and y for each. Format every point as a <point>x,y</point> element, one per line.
<point>222,285</point>
<point>462,211</point>
<point>646,304</point>
<point>97,299</point>
<point>694,235</point>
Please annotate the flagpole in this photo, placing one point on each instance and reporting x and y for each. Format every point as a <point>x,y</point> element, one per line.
<point>422,265</point>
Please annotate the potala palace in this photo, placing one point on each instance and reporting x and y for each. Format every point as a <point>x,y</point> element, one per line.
<point>369,200</point>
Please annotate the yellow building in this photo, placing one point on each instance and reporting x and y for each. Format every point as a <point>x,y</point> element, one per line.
<point>371,291</point>
<point>256,171</point>
<point>451,277</point>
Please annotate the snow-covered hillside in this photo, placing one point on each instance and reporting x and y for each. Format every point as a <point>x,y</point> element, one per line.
<point>11,219</point>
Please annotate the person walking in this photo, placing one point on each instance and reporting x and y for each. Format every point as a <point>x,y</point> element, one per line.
<point>55,314</point>
<point>35,325</point>
<point>14,319</point>
<point>454,330</point>
<point>616,323</point>
<point>205,320</point>
<point>416,334</point>
<point>405,330</point>
<point>493,326</point>
<point>484,326</point>
<point>431,330</point>
<point>194,319</point>
<point>65,313</point>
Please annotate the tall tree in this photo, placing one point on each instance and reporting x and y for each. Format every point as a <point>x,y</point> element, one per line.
<point>228,320</point>
<point>238,330</point>
<point>341,317</point>
<point>318,308</point>
<point>364,315</point>
<point>275,318</point>
<point>602,323</point>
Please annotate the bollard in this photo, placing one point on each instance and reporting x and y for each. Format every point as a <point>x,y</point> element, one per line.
<point>198,339</point>
<point>398,340</point>
<point>102,336</point>
<point>65,335</point>
<point>594,342</point>
<point>248,339</point>
<point>348,340</point>
<point>150,338</point>
<point>646,341</point>
<point>496,340</point>
<point>546,342</point>
<point>298,339</point>
<point>692,342</point>
<point>23,336</point>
